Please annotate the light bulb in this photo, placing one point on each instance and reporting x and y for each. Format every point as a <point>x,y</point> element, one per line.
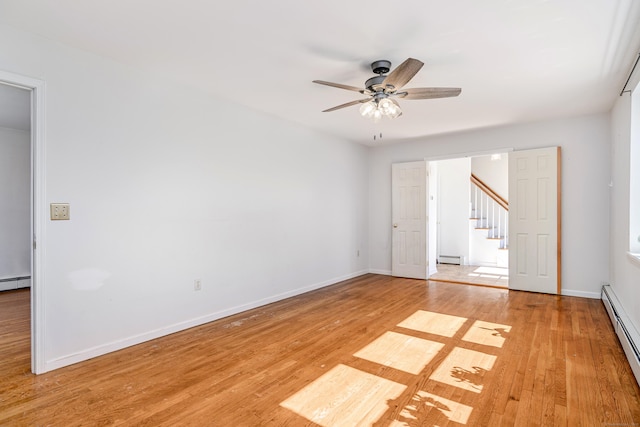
<point>367,109</point>
<point>394,111</point>
<point>385,105</point>
<point>389,108</point>
<point>377,115</point>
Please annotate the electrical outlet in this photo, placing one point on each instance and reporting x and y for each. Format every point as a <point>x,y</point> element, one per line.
<point>197,285</point>
<point>59,211</point>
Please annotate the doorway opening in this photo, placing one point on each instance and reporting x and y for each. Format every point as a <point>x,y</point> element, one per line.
<point>28,257</point>
<point>471,228</point>
<point>15,188</point>
<point>534,178</point>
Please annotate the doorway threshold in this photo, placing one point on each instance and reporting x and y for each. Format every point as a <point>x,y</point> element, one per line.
<point>494,277</point>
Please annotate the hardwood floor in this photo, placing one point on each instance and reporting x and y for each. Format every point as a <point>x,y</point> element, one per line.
<point>374,350</point>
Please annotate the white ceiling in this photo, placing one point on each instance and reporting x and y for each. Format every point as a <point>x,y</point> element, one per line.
<point>515,60</point>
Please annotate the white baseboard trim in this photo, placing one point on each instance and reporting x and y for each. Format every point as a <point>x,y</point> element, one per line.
<point>581,294</point>
<point>110,347</point>
<point>384,272</point>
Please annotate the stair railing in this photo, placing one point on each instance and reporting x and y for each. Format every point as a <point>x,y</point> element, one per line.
<point>490,210</point>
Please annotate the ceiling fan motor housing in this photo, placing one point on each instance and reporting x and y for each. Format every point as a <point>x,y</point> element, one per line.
<point>381,66</point>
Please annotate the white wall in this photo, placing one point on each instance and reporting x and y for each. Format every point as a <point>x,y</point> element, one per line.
<point>453,207</point>
<point>168,185</point>
<point>625,275</point>
<point>494,173</point>
<point>585,145</point>
<point>15,193</point>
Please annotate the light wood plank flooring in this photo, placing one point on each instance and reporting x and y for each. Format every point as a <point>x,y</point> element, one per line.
<point>496,277</point>
<point>374,350</point>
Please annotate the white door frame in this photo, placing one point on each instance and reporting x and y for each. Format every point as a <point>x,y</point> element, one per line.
<point>38,211</point>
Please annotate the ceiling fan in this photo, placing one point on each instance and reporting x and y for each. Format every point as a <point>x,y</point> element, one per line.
<point>382,90</point>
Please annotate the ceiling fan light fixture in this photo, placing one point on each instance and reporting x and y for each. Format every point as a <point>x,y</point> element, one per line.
<point>367,109</point>
<point>389,108</point>
<point>377,115</point>
<point>378,108</point>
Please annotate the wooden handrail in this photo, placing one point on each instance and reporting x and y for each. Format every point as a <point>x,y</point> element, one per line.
<point>495,196</point>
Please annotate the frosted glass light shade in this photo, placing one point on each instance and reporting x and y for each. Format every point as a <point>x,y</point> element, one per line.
<point>376,109</point>
<point>367,109</point>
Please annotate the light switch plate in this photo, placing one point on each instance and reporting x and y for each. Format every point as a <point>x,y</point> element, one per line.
<point>59,211</point>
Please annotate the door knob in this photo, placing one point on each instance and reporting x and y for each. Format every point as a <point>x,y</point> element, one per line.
<point>395,225</point>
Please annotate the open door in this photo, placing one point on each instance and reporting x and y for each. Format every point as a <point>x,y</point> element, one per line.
<point>534,220</point>
<point>409,219</point>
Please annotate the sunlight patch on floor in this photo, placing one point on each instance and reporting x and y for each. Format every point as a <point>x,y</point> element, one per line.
<point>433,323</point>
<point>497,271</point>
<point>344,396</point>
<point>449,410</point>
<point>487,333</point>
<point>464,368</point>
<point>400,351</point>
<point>489,276</point>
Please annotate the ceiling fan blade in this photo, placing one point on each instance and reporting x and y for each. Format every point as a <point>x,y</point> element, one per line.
<point>429,92</point>
<point>402,74</point>
<point>348,104</point>
<point>339,86</point>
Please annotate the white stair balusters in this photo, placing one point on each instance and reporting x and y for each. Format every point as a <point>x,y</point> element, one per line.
<point>489,214</point>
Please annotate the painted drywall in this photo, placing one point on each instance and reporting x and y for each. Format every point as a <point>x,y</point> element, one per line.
<point>493,172</point>
<point>168,185</point>
<point>15,193</point>
<point>453,207</point>
<point>625,274</point>
<point>585,143</point>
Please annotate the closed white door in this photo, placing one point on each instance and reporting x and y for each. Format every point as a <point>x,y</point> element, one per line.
<point>534,220</point>
<point>409,220</point>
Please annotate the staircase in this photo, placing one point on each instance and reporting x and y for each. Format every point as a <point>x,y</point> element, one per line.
<point>491,215</point>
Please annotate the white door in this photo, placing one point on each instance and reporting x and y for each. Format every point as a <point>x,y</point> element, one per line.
<point>409,219</point>
<point>534,220</point>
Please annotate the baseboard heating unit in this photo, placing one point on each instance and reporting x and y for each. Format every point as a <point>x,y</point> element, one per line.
<point>11,283</point>
<point>451,259</point>
<point>627,334</point>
